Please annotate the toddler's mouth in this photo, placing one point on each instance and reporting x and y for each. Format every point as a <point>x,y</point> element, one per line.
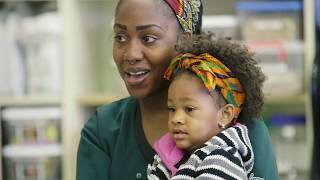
<point>179,134</point>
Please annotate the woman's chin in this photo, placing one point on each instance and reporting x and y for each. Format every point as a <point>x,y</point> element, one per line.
<point>147,90</point>
<point>137,93</point>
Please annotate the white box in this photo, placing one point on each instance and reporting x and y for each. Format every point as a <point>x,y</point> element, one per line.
<point>31,125</point>
<point>282,63</point>
<point>41,162</point>
<point>270,20</point>
<point>222,25</point>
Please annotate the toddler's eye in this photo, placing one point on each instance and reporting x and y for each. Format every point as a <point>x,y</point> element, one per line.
<point>189,109</point>
<point>171,109</point>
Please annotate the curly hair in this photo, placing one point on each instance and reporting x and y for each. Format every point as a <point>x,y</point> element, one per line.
<point>237,58</point>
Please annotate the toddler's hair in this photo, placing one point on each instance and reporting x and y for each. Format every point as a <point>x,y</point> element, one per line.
<point>241,62</point>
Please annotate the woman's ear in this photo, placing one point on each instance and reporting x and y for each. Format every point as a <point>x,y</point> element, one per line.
<point>226,116</point>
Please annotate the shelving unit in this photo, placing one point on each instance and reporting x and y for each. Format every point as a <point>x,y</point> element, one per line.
<point>96,100</point>
<point>309,49</point>
<point>90,78</point>
<point>29,101</point>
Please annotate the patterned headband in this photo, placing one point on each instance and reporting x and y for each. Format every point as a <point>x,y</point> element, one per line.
<point>188,13</point>
<point>214,74</point>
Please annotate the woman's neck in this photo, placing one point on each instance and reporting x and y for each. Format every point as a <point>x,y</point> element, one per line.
<point>154,116</point>
<point>156,104</point>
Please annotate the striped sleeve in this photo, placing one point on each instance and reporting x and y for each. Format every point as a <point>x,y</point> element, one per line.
<point>219,164</point>
<point>228,155</point>
<point>157,170</point>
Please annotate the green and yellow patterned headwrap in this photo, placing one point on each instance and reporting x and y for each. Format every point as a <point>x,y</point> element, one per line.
<point>214,74</point>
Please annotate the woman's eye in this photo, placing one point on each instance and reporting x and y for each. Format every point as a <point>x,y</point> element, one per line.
<point>149,39</point>
<point>120,38</point>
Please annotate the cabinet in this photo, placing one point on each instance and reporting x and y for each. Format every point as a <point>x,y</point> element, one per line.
<point>89,78</point>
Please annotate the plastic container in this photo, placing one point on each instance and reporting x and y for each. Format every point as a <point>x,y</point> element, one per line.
<point>282,63</point>
<point>289,127</point>
<point>41,162</point>
<point>222,25</point>
<point>32,125</point>
<point>41,39</point>
<point>270,20</point>
<point>288,133</point>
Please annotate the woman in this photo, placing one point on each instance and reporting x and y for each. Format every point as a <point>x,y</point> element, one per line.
<point>116,142</point>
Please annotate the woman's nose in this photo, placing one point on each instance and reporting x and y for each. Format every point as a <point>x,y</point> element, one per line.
<point>133,53</point>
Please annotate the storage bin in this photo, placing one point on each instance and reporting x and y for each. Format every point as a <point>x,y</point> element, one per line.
<point>41,39</point>
<point>31,125</point>
<point>282,63</point>
<point>32,162</point>
<point>222,25</point>
<point>288,128</point>
<point>288,133</point>
<point>270,20</point>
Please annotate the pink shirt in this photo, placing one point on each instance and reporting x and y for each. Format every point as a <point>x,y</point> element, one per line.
<point>168,152</point>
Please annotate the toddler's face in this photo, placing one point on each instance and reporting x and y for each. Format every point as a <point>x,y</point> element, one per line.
<point>193,113</point>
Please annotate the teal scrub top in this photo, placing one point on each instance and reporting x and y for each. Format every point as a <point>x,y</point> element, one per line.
<point>113,145</point>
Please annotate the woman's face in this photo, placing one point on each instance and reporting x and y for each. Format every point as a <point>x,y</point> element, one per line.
<point>143,46</point>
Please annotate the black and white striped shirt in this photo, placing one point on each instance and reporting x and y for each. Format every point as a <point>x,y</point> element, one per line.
<point>228,155</point>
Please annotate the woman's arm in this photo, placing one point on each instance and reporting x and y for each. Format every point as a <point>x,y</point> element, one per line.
<point>92,160</point>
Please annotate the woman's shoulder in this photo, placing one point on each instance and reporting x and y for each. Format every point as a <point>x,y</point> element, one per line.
<point>114,113</point>
<point>258,129</point>
<point>104,125</point>
<point>110,116</point>
<point>264,162</point>
<point>117,107</point>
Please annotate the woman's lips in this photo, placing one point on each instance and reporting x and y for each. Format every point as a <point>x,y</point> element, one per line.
<point>135,77</point>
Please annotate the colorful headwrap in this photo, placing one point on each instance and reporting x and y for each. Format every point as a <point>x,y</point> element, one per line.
<point>188,13</point>
<point>214,74</point>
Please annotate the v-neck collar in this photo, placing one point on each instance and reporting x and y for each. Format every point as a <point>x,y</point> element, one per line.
<point>145,148</point>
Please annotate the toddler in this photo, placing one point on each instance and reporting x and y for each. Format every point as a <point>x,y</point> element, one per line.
<point>215,91</point>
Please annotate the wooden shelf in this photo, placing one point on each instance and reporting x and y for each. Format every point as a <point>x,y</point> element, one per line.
<point>28,0</point>
<point>277,100</point>
<point>285,105</point>
<point>29,100</point>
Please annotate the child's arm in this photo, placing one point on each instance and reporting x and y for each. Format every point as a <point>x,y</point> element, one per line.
<point>228,155</point>
<point>219,164</point>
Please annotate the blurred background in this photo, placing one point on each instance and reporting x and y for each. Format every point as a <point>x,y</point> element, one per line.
<point>56,67</point>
